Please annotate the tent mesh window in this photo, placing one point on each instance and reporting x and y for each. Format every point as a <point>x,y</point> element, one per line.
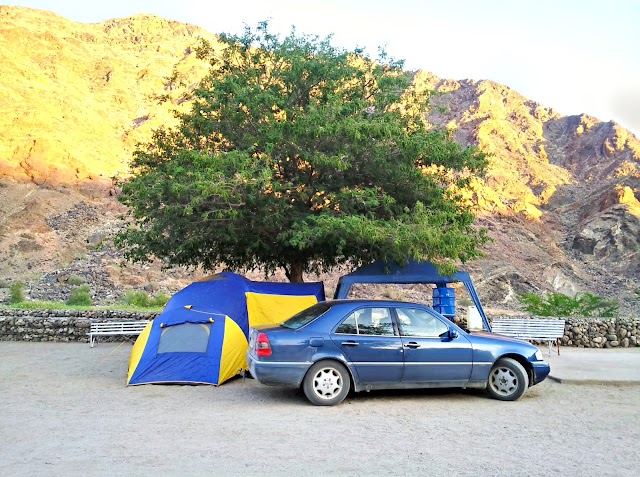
<point>185,338</point>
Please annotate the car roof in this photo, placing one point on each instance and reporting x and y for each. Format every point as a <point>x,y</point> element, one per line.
<point>363,301</point>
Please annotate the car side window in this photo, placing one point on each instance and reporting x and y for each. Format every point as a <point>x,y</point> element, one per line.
<point>419,323</point>
<point>348,326</point>
<point>380,323</point>
<point>368,321</point>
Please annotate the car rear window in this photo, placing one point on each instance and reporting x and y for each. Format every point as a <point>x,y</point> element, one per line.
<point>306,316</point>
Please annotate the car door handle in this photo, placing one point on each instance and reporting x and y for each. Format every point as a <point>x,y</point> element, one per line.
<point>349,343</point>
<point>412,345</point>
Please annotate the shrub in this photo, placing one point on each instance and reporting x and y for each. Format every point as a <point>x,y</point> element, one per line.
<point>16,294</point>
<point>137,298</point>
<point>75,280</point>
<point>80,296</point>
<point>140,299</point>
<point>557,304</point>
<point>159,300</point>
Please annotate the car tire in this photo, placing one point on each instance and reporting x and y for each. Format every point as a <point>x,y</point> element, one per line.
<point>326,383</point>
<point>508,380</point>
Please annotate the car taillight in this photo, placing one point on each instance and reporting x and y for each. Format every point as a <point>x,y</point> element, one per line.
<point>263,347</point>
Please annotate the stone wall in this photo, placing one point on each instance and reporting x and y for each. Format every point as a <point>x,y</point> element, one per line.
<point>597,332</point>
<point>59,325</point>
<point>66,325</point>
<point>602,333</point>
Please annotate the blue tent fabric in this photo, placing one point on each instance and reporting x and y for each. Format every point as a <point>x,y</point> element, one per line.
<point>193,367</point>
<point>214,296</point>
<point>412,272</point>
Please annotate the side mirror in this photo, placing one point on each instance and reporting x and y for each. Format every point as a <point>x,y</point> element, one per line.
<point>449,335</point>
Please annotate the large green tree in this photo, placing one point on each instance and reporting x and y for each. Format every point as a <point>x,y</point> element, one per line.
<point>300,155</point>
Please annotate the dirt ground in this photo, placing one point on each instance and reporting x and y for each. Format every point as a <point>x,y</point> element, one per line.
<point>64,410</point>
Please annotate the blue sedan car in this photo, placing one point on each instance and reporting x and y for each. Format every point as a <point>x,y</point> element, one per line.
<point>336,346</point>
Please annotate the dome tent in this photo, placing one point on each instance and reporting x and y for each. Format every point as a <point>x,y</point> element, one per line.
<point>202,334</point>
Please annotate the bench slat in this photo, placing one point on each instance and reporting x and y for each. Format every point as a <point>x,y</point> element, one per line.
<point>116,328</point>
<point>113,328</point>
<point>533,329</point>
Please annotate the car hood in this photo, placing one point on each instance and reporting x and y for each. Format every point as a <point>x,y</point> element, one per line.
<point>497,336</point>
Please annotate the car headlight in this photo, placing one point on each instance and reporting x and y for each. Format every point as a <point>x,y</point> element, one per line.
<point>538,355</point>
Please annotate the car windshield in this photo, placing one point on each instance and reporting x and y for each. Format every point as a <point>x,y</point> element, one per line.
<point>306,316</point>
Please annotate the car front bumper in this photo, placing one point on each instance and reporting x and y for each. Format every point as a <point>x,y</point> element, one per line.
<point>277,373</point>
<point>541,370</point>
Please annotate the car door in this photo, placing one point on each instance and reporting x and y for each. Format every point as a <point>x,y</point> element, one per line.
<point>430,355</point>
<point>368,339</point>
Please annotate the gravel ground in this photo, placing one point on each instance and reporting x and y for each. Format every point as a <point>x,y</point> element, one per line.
<point>64,410</point>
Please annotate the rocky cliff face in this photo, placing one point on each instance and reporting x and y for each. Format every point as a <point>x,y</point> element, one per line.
<point>560,200</point>
<point>80,97</point>
<point>75,100</point>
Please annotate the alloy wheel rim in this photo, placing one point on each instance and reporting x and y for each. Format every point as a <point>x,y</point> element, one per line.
<point>327,383</point>
<point>504,381</point>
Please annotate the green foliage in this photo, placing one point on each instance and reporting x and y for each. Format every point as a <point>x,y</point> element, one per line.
<point>57,305</point>
<point>142,300</point>
<point>136,298</point>
<point>637,293</point>
<point>159,300</point>
<point>300,155</point>
<point>75,280</point>
<point>41,305</point>
<point>16,293</point>
<point>80,296</point>
<point>557,304</point>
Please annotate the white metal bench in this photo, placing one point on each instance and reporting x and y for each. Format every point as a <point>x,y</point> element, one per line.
<point>112,328</point>
<point>530,329</point>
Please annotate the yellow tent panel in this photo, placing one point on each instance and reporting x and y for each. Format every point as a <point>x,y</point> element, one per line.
<point>268,309</point>
<point>138,349</point>
<point>233,357</point>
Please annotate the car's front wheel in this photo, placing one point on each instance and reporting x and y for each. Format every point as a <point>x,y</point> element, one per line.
<point>326,383</point>
<point>508,380</point>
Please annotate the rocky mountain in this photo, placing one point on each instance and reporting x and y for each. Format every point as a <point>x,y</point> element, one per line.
<point>560,199</point>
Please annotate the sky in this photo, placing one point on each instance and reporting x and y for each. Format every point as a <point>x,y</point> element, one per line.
<point>576,56</point>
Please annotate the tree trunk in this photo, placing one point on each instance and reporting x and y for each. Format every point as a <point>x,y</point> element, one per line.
<point>294,272</point>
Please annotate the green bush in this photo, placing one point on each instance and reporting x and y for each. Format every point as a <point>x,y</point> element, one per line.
<point>80,296</point>
<point>137,298</point>
<point>75,280</point>
<point>141,299</point>
<point>159,300</point>
<point>16,294</point>
<point>557,304</point>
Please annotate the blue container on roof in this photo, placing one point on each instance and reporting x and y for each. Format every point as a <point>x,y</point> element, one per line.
<point>444,301</point>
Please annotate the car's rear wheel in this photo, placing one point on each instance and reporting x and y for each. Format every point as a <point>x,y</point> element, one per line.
<point>508,380</point>
<point>326,383</point>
